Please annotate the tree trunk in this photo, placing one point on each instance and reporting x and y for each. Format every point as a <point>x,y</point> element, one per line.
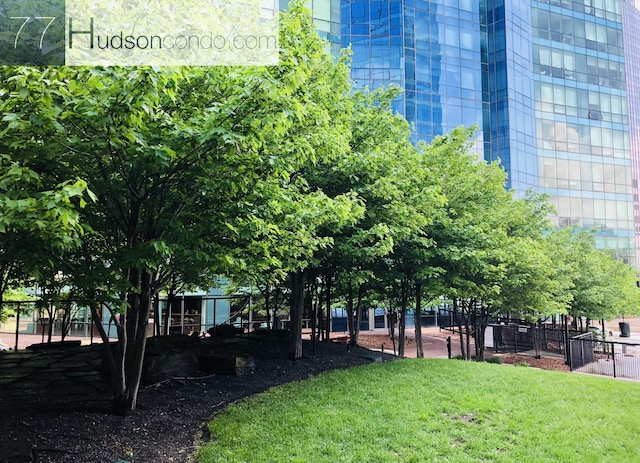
<point>171,298</point>
<point>316,317</point>
<point>111,362</point>
<point>418,320</point>
<point>321,321</point>
<point>392,319</point>
<point>296,308</point>
<point>51,311</point>
<point>132,343</point>
<point>457,319</point>
<point>267,307</point>
<point>309,310</point>
<point>157,329</point>
<point>404,300</point>
<point>328,320</point>
<point>480,329</point>
<point>537,342</point>
<point>350,314</point>
<point>467,327</point>
<point>358,317</point>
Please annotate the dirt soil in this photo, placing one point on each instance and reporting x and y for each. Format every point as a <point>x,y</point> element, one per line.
<point>544,363</point>
<point>169,424</point>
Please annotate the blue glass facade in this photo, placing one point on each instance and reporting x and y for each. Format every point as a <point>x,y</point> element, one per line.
<point>431,49</point>
<point>582,121</point>
<point>509,97</point>
<point>630,21</point>
<point>544,80</point>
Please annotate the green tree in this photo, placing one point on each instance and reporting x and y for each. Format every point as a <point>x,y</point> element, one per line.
<point>384,170</point>
<point>470,235</point>
<point>193,169</point>
<point>602,286</point>
<point>536,285</point>
<point>296,230</point>
<point>40,213</point>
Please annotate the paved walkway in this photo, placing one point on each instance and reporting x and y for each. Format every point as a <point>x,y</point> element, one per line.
<point>434,342</point>
<point>24,340</point>
<point>613,328</point>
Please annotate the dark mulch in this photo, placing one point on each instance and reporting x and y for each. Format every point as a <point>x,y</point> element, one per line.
<point>170,421</point>
<point>544,363</point>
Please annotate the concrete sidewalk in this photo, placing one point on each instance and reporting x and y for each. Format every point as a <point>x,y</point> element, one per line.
<point>434,342</point>
<point>24,340</point>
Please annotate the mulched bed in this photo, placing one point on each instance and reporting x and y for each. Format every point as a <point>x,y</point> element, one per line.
<point>544,363</point>
<point>169,424</point>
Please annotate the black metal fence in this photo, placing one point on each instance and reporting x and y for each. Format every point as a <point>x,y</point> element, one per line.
<point>519,337</point>
<point>35,317</point>
<point>595,356</point>
<point>514,338</point>
<point>513,335</point>
<point>62,319</point>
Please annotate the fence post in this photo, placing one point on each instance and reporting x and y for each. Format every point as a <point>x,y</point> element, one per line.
<point>17,325</point>
<point>570,354</point>
<point>567,339</point>
<point>613,353</point>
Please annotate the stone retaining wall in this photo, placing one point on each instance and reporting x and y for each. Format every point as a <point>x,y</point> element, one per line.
<point>55,371</point>
<point>68,369</point>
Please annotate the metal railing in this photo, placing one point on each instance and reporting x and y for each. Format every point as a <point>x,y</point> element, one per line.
<point>73,319</point>
<point>607,358</point>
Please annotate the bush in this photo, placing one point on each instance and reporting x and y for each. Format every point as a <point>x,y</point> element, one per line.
<point>497,360</point>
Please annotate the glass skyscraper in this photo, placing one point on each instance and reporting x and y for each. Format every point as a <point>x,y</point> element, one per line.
<point>548,83</point>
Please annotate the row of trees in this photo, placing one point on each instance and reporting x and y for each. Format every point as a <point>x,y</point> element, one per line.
<point>132,181</point>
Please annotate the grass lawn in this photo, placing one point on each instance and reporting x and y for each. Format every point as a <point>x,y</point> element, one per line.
<point>434,411</point>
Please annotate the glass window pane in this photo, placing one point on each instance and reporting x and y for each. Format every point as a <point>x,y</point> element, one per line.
<point>605,103</point>
<point>545,56</point>
<point>549,168</point>
<point>585,171</point>
<point>596,170</point>
<point>569,62</point>
<point>576,207</point>
<point>562,167</point>
<point>571,97</point>
<point>616,105</point>
<point>564,207</point>
<point>547,93</point>
<point>599,211</point>
<point>558,95</point>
